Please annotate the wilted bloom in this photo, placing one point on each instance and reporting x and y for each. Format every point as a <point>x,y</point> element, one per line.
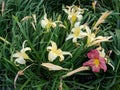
<point>94,5</point>
<point>77,33</point>
<point>83,68</point>
<point>21,56</point>
<point>3,7</point>
<point>46,23</point>
<point>74,13</point>
<point>20,72</point>
<point>92,39</point>
<point>51,66</point>
<point>31,17</point>
<point>102,19</point>
<point>54,52</point>
<point>96,61</point>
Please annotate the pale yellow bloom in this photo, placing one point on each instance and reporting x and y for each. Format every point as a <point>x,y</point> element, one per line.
<point>77,33</point>
<point>21,56</point>
<point>46,23</point>
<point>92,39</point>
<point>54,52</point>
<point>54,67</point>
<point>74,13</point>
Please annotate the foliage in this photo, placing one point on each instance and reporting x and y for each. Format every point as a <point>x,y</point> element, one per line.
<point>15,31</point>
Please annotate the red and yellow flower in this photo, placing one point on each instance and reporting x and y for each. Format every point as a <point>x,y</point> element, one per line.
<point>96,61</point>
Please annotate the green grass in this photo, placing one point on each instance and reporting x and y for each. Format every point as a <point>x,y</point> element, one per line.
<point>39,78</point>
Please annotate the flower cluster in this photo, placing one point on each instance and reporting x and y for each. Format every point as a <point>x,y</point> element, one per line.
<point>96,61</point>
<point>78,33</point>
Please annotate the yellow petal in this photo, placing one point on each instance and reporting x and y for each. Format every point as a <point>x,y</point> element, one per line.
<point>25,49</point>
<point>61,58</point>
<point>20,60</point>
<point>67,53</point>
<point>25,56</point>
<point>54,46</point>
<point>52,56</point>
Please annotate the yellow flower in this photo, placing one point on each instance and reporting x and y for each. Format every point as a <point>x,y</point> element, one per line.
<point>51,66</point>
<point>21,56</point>
<point>92,39</point>
<point>46,23</point>
<point>77,33</point>
<point>54,52</point>
<point>74,13</point>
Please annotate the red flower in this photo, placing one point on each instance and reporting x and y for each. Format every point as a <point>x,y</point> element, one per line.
<point>96,61</point>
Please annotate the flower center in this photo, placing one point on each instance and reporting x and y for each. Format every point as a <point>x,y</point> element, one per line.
<point>48,25</point>
<point>73,18</point>
<point>96,62</point>
<point>58,52</point>
<point>77,32</point>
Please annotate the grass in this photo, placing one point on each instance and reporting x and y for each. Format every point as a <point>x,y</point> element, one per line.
<point>39,78</point>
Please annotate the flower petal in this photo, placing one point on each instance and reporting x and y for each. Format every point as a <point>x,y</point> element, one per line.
<point>104,67</point>
<point>95,69</point>
<point>93,54</point>
<point>16,54</point>
<point>103,64</point>
<point>43,23</point>
<point>52,56</point>
<point>25,49</point>
<point>20,60</point>
<point>69,37</point>
<point>74,40</point>
<point>88,63</point>
<point>77,24</point>
<point>61,58</point>
<point>53,24</point>
<point>54,46</point>
<point>82,34</point>
<point>80,17</point>
<point>67,53</point>
<point>49,48</point>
